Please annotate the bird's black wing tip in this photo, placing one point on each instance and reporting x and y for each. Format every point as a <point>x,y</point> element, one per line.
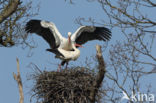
<point>30,24</point>
<point>104,33</point>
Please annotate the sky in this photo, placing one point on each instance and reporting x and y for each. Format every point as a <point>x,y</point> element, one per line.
<point>63,15</point>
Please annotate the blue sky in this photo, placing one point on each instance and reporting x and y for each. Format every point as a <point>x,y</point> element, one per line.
<point>63,15</point>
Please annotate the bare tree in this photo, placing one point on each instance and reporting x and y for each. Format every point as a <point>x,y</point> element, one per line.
<point>13,14</point>
<point>133,57</point>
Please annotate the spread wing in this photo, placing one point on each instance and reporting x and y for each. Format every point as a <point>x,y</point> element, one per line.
<point>45,29</point>
<point>88,33</point>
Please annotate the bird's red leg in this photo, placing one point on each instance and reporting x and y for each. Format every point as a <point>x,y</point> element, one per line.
<point>66,65</point>
<point>59,68</point>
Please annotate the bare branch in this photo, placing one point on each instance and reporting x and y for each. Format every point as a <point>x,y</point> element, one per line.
<point>9,10</point>
<point>133,56</point>
<point>100,75</point>
<point>151,3</point>
<point>17,77</point>
<point>12,13</point>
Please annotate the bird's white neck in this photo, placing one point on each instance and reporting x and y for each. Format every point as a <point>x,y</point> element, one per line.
<point>67,44</point>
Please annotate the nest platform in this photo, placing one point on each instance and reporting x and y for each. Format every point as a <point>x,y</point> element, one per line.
<point>68,86</point>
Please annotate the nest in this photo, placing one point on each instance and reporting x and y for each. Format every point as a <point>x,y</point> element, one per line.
<point>68,86</point>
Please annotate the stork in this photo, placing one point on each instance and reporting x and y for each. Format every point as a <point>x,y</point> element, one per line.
<point>66,48</point>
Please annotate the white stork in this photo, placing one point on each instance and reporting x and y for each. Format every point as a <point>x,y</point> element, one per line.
<point>66,48</point>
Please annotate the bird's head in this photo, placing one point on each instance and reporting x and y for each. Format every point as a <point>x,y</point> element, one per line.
<point>69,34</point>
<point>69,37</point>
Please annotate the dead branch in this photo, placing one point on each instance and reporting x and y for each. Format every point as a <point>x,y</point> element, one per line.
<point>17,77</point>
<point>100,76</point>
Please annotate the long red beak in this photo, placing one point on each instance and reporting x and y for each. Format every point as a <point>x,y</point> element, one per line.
<point>78,45</point>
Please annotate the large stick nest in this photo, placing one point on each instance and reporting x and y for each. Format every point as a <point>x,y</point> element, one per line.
<point>68,86</point>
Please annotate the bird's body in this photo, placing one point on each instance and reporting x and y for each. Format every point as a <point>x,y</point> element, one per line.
<point>66,55</point>
<point>66,45</point>
<point>66,48</point>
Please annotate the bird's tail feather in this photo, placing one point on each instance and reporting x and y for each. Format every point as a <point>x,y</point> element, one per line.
<point>55,51</point>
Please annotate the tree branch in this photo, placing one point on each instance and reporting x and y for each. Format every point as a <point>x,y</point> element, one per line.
<point>151,3</point>
<point>100,75</point>
<point>9,10</point>
<point>19,82</point>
